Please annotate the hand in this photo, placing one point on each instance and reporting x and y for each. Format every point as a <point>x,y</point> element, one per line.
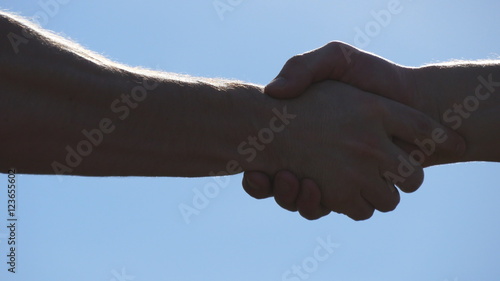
<point>288,191</point>
<point>342,138</point>
<point>345,63</point>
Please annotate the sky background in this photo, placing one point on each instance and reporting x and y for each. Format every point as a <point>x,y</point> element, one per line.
<point>101,228</point>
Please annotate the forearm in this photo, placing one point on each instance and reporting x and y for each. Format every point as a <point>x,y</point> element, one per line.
<point>65,110</point>
<point>467,99</point>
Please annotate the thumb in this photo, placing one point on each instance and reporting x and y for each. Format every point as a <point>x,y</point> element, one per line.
<point>342,62</point>
<point>288,84</point>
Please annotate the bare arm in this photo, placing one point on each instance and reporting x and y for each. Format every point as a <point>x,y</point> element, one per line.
<point>66,110</point>
<point>462,95</point>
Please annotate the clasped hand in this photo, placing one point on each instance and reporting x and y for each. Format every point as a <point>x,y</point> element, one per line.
<point>348,149</point>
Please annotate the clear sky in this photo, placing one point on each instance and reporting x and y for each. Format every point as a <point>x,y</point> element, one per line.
<point>122,229</point>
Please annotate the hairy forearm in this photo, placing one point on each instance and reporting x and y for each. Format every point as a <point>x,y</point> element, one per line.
<point>65,110</point>
<point>466,98</point>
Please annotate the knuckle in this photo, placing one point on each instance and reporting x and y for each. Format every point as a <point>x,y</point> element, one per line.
<point>309,216</point>
<point>418,178</point>
<point>335,46</point>
<point>362,215</point>
<point>359,211</point>
<point>389,206</point>
<point>255,193</point>
<point>341,202</point>
<point>410,187</point>
<point>285,203</point>
<point>296,61</point>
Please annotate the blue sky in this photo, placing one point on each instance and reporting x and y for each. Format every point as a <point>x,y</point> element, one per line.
<point>118,228</point>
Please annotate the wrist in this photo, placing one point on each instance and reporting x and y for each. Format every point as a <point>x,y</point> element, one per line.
<point>424,91</point>
<point>261,128</point>
<point>463,98</point>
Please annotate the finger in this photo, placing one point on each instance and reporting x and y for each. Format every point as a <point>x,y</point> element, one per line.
<point>286,190</point>
<point>360,210</point>
<point>435,142</point>
<point>383,196</point>
<point>434,159</point>
<point>342,62</point>
<point>257,184</point>
<point>400,169</point>
<point>408,148</point>
<point>309,201</point>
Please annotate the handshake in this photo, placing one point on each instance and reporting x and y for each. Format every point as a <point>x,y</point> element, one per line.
<point>339,129</point>
<point>363,126</point>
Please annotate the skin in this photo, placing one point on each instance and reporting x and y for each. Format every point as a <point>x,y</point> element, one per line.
<point>67,111</point>
<point>464,96</point>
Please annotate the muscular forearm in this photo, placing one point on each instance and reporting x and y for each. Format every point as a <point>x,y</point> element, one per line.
<point>465,97</point>
<point>65,110</point>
